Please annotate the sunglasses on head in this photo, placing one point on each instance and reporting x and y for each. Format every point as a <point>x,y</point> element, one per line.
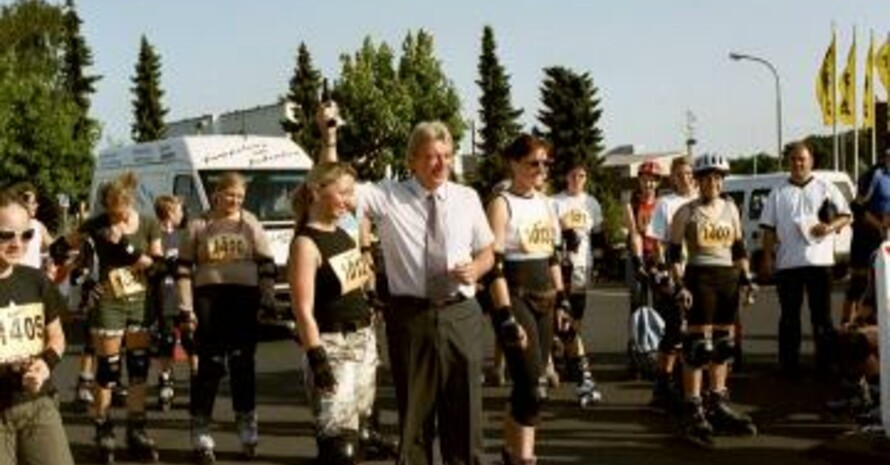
<point>8,236</point>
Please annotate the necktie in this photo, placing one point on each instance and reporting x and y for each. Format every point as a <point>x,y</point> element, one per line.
<point>437,281</point>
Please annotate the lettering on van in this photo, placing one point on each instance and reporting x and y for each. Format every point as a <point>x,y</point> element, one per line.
<point>234,152</point>
<point>263,158</point>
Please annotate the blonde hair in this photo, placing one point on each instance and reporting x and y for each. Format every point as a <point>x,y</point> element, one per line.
<point>164,205</point>
<point>119,191</point>
<point>228,180</point>
<point>425,132</point>
<point>322,175</point>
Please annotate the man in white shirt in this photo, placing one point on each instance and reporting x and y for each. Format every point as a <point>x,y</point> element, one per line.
<point>434,325</point>
<point>663,396</point>
<point>799,223</point>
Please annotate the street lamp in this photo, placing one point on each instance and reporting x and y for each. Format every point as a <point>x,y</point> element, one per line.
<point>741,56</point>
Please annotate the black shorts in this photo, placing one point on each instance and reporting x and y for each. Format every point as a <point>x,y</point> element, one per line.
<point>862,246</point>
<point>715,295</point>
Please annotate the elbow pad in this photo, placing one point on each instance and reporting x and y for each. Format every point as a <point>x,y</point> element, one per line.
<point>266,267</point>
<point>496,271</point>
<point>738,250</point>
<point>673,254</point>
<point>59,250</point>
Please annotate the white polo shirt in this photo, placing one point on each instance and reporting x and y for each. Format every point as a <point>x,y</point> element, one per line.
<point>660,225</point>
<point>582,213</point>
<point>791,210</point>
<point>399,210</point>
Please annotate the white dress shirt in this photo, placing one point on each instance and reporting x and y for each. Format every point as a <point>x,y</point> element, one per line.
<point>399,210</point>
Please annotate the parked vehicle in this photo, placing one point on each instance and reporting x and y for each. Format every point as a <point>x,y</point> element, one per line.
<point>189,167</point>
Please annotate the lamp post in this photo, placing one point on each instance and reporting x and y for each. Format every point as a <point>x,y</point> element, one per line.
<point>741,56</point>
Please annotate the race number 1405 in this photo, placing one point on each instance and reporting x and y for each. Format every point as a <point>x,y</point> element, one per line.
<point>21,332</point>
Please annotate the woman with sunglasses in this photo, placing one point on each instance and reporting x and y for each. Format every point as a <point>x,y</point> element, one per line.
<point>126,245</point>
<point>526,290</point>
<point>225,271</point>
<point>708,289</point>
<point>31,431</point>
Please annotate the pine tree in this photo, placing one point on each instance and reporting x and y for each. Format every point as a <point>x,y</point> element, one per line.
<point>303,93</point>
<point>569,117</point>
<point>148,113</point>
<point>77,56</point>
<point>432,96</point>
<point>499,119</point>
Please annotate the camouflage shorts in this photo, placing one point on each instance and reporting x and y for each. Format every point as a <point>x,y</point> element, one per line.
<point>354,359</point>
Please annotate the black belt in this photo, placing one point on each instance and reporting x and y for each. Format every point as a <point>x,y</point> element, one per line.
<point>344,326</point>
<point>421,302</point>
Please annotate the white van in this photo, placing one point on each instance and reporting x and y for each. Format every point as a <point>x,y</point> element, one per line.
<point>189,168</point>
<point>750,193</point>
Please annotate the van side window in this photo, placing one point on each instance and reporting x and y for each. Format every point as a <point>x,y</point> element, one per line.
<point>184,188</point>
<point>758,201</point>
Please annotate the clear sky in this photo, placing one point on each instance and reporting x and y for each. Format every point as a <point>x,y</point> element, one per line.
<point>652,60</point>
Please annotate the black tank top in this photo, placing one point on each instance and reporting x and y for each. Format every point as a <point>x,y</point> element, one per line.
<point>331,306</point>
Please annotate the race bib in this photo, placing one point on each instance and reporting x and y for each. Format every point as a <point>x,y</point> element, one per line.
<point>125,282</point>
<point>537,237</point>
<point>227,248</point>
<point>713,235</point>
<point>352,270</point>
<point>21,332</point>
<point>575,219</point>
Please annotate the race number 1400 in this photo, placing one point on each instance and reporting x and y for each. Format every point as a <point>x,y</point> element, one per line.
<point>21,332</point>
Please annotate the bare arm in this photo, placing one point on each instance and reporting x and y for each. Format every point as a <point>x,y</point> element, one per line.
<point>497,218</point>
<point>327,111</point>
<point>301,273</point>
<point>633,234</point>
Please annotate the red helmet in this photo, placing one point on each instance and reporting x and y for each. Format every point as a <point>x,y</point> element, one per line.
<point>650,167</point>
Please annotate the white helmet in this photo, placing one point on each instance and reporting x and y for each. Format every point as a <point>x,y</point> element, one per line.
<point>710,162</point>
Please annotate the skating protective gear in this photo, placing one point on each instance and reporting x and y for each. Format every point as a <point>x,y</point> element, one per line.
<point>673,254</point>
<point>322,374</point>
<point>698,350</point>
<point>108,370</point>
<point>184,269</point>
<point>506,328</point>
<point>724,346</point>
<point>266,268</point>
<point>59,250</point>
<point>649,168</point>
<point>739,251</point>
<point>138,363</point>
<point>571,239</point>
<point>710,162</point>
<point>496,271</point>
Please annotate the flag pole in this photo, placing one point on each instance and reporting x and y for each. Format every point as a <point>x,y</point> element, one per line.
<point>871,102</point>
<point>855,114</point>
<point>834,145</point>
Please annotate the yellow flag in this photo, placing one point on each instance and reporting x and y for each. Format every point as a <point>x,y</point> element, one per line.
<point>825,82</point>
<point>846,110</point>
<point>883,64</point>
<point>868,94</point>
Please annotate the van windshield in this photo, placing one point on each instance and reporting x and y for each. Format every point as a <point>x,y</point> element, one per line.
<point>268,191</point>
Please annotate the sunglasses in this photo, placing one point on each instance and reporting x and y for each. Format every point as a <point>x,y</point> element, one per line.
<point>542,164</point>
<point>8,236</point>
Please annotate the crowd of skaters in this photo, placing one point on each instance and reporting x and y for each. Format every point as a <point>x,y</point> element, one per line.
<point>522,258</point>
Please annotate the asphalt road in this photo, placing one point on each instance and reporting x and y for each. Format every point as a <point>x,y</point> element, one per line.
<point>795,428</point>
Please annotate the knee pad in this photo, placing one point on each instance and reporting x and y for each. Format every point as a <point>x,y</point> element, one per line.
<point>697,350</point>
<point>166,343</point>
<point>108,370</point>
<point>187,341</point>
<point>525,405</point>
<point>138,363</point>
<point>724,346</point>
